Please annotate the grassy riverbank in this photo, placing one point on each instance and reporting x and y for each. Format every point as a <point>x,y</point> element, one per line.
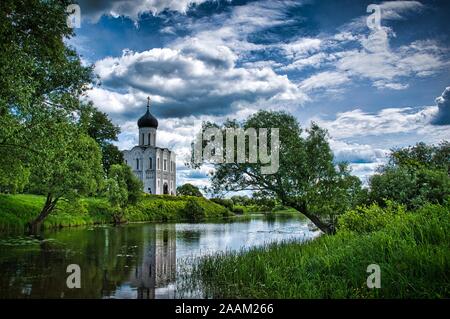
<point>411,248</point>
<point>17,210</point>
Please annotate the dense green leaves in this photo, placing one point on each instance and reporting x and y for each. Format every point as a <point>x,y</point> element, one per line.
<point>100,127</point>
<point>49,137</point>
<point>122,189</point>
<point>189,190</point>
<point>414,176</point>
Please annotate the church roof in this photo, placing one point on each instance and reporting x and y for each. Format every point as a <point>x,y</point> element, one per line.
<point>148,120</point>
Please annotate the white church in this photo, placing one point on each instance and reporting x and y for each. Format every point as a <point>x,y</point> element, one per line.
<point>154,166</point>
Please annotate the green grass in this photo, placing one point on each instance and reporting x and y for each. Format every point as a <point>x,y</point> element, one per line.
<point>413,252</point>
<point>17,210</point>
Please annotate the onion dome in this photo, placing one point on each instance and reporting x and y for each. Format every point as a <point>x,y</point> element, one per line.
<point>148,120</point>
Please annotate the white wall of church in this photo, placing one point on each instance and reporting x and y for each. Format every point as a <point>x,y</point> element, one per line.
<point>155,167</point>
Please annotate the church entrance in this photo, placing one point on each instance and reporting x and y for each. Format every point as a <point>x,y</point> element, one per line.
<point>165,189</point>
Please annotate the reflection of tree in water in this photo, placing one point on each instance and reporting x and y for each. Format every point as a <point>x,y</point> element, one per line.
<point>189,236</point>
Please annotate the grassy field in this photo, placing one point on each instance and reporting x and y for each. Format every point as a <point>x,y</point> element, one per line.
<point>17,210</point>
<point>411,248</point>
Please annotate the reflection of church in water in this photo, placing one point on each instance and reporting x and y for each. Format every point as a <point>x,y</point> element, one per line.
<point>155,274</point>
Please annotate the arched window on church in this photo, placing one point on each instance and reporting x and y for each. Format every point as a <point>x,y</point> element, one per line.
<point>137,163</point>
<point>143,142</point>
<point>151,163</point>
<point>149,138</point>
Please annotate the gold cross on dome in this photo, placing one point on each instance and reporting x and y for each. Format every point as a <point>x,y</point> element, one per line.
<point>148,101</point>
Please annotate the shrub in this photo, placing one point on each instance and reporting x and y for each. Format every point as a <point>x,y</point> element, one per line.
<point>193,211</point>
<point>366,219</point>
<point>227,203</point>
<point>238,210</point>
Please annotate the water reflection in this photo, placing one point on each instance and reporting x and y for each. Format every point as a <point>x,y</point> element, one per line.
<point>132,261</point>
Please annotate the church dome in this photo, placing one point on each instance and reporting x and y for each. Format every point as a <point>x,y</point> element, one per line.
<point>148,120</point>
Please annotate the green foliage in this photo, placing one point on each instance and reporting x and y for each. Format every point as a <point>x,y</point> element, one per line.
<point>414,176</point>
<point>42,81</point>
<point>123,188</point>
<point>189,190</point>
<point>70,167</point>
<point>241,200</point>
<point>111,155</point>
<point>411,250</point>
<point>371,218</point>
<point>16,211</point>
<point>227,203</point>
<point>193,211</point>
<point>13,176</point>
<point>100,127</point>
<point>172,208</point>
<point>239,210</point>
<point>421,155</point>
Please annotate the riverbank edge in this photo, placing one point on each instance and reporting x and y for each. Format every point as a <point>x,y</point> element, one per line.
<point>17,210</point>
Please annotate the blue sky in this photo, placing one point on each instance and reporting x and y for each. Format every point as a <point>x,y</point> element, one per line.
<point>373,88</point>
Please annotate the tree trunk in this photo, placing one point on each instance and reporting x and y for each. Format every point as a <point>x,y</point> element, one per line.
<point>35,225</point>
<point>327,228</point>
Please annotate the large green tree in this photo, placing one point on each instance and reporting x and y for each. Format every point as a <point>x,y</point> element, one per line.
<point>67,166</point>
<point>42,81</point>
<point>38,73</point>
<point>413,176</point>
<point>307,179</point>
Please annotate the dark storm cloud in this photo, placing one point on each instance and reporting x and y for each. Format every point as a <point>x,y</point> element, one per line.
<point>93,10</point>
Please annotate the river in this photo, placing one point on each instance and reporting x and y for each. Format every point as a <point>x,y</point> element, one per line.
<point>145,260</point>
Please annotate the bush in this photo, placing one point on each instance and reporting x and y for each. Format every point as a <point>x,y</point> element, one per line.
<point>227,203</point>
<point>193,211</point>
<point>238,210</point>
<point>370,218</point>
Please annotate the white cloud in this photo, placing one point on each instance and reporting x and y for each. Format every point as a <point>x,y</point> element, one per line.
<point>386,121</point>
<point>325,80</point>
<point>301,47</point>
<point>443,104</point>
<point>363,159</point>
<point>388,68</point>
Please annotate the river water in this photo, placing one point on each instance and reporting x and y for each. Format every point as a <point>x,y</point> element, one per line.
<point>144,260</point>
